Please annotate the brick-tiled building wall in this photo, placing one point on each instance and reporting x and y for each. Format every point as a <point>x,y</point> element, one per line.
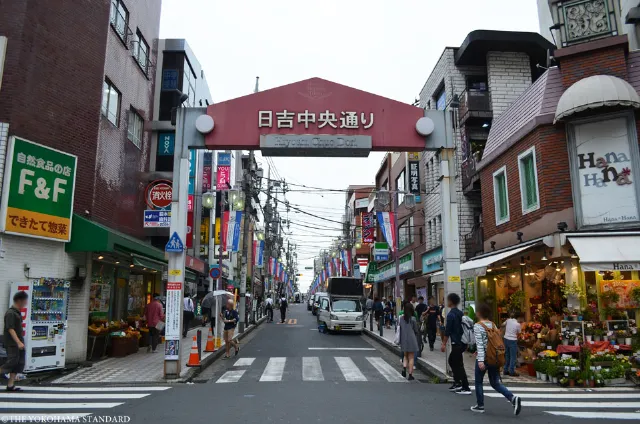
<point>610,61</point>
<point>119,202</point>
<point>52,83</point>
<point>509,75</point>
<point>554,185</point>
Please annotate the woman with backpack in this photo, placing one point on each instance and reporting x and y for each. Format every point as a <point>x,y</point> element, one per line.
<point>491,357</point>
<point>409,334</point>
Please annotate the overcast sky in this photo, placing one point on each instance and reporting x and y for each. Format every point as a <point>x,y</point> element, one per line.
<point>384,47</point>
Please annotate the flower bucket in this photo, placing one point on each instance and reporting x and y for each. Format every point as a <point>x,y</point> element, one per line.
<point>627,340</point>
<point>589,338</point>
<point>543,377</point>
<point>531,370</point>
<point>554,380</point>
<point>572,383</point>
<point>620,340</point>
<point>597,338</point>
<point>538,375</point>
<point>565,342</point>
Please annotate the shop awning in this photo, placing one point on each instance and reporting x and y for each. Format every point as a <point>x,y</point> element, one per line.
<point>190,275</point>
<point>478,267</point>
<point>148,263</point>
<point>420,281</point>
<point>89,236</point>
<point>608,253</point>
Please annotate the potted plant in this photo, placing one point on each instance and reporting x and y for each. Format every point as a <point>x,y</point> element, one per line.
<point>597,334</point>
<point>588,333</point>
<point>635,295</point>
<point>610,297</point>
<point>564,381</point>
<point>552,371</point>
<point>538,366</point>
<point>620,336</point>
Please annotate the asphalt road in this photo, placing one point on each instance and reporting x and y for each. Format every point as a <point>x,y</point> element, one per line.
<point>290,373</point>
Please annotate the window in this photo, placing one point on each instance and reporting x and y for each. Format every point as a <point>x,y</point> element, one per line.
<point>441,98</point>
<point>141,51</point>
<point>134,132</point>
<point>421,235</point>
<point>400,187</point>
<point>500,195</point>
<point>411,230</point>
<point>110,102</point>
<point>403,235</point>
<point>189,83</point>
<point>528,181</point>
<point>120,18</point>
<point>344,305</point>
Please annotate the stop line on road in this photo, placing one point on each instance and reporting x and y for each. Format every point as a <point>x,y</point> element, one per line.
<point>342,367</point>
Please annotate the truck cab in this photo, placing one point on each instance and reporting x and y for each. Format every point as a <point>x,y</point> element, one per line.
<point>341,308</point>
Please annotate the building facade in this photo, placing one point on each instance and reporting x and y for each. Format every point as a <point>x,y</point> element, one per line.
<point>559,198</point>
<point>86,96</point>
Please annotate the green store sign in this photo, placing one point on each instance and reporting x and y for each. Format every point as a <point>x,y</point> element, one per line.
<point>38,191</point>
<point>389,271</point>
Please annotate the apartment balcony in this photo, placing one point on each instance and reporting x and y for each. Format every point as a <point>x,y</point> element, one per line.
<point>473,242</point>
<point>474,104</point>
<point>470,175</point>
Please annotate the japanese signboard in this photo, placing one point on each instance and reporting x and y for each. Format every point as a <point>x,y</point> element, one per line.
<point>157,219</point>
<point>224,159</point>
<point>289,119</point>
<point>192,171</point>
<point>172,324</point>
<point>37,198</point>
<point>189,240</point>
<point>368,228</point>
<point>158,194</point>
<point>169,79</point>
<point>166,143</point>
<point>414,178</point>
<point>206,172</point>
<point>223,176</point>
<point>329,145</point>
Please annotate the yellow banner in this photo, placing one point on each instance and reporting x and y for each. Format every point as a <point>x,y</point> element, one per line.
<point>20,221</point>
<point>218,231</point>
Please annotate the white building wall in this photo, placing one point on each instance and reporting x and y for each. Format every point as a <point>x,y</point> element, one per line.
<point>453,78</point>
<point>47,259</point>
<point>509,75</point>
<point>545,20</point>
<point>630,29</point>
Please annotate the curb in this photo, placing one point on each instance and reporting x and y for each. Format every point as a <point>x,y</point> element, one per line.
<point>211,358</point>
<point>422,364</point>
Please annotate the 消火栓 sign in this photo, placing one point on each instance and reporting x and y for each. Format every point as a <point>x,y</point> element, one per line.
<point>38,191</point>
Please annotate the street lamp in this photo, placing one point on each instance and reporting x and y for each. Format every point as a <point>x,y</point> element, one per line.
<point>208,200</point>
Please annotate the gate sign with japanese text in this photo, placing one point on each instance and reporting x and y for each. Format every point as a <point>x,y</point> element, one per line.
<point>414,178</point>
<point>38,190</point>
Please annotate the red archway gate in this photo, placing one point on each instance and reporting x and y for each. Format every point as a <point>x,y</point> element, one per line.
<point>314,117</point>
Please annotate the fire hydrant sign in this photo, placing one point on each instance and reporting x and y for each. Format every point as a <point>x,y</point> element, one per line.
<point>37,199</point>
<point>174,297</point>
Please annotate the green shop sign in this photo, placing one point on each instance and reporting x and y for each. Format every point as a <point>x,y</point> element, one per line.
<point>38,191</point>
<point>389,270</point>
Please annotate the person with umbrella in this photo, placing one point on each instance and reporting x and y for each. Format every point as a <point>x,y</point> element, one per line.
<point>208,305</point>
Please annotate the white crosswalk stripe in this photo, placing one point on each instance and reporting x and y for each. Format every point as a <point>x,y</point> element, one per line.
<point>613,403</point>
<point>311,368</point>
<point>70,403</point>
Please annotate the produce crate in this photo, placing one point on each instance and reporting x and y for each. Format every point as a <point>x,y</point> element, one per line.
<point>120,346</point>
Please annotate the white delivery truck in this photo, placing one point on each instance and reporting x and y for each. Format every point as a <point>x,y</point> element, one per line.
<point>341,308</point>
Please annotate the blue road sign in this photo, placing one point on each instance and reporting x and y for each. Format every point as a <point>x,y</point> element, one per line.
<point>157,219</point>
<point>174,245</point>
<point>214,271</point>
<point>381,258</point>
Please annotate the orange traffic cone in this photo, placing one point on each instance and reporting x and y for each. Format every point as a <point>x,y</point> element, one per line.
<point>210,347</point>
<point>194,358</point>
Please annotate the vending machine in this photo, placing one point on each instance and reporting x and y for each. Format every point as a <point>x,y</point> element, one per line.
<point>44,322</point>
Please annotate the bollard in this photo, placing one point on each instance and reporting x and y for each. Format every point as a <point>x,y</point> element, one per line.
<point>199,344</point>
<point>371,320</point>
<point>382,326</point>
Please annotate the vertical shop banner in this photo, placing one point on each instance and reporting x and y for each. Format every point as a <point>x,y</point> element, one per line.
<point>172,329</point>
<point>233,231</point>
<point>223,176</point>
<point>223,230</point>
<point>414,179</point>
<point>388,227</point>
<point>367,228</point>
<point>189,241</point>
<point>259,254</point>
<point>192,171</point>
<point>206,172</point>
<point>37,197</point>
<point>166,143</point>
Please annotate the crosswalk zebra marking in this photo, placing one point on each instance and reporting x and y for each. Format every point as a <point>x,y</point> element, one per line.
<point>65,405</point>
<point>570,395</point>
<point>274,369</point>
<point>583,405</point>
<point>349,369</point>
<point>387,371</point>
<point>244,362</point>
<point>94,389</point>
<point>311,369</point>
<point>232,376</point>
<point>599,415</point>
<point>22,395</point>
<point>564,389</point>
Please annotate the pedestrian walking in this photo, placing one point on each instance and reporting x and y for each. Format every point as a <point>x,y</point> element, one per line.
<point>378,310</point>
<point>268,303</point>
<point>453,333</point>
<point>283,308</point>
<point>421,310</point>
<point>511,327</point>
<point>230,318</point>
<point>432,320</point>
<point>14,340</point>
<point>409,334</point>
<point>208,308</point>
<point>368,307</point>
<point>154,316</point>
<point>490,358</point>
<point>187,314</point>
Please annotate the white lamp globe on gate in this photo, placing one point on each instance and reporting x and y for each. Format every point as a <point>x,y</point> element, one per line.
<point>207,200</point>
<point>425,126</point>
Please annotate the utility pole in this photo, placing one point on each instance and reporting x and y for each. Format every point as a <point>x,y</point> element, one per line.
<point>247,183</point>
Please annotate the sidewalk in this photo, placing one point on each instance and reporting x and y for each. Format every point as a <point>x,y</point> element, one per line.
<point>143,367</point>
<point>436,360</point>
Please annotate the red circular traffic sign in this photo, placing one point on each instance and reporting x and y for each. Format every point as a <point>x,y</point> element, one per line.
<point>159,194</point>
<point>214,272</point>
